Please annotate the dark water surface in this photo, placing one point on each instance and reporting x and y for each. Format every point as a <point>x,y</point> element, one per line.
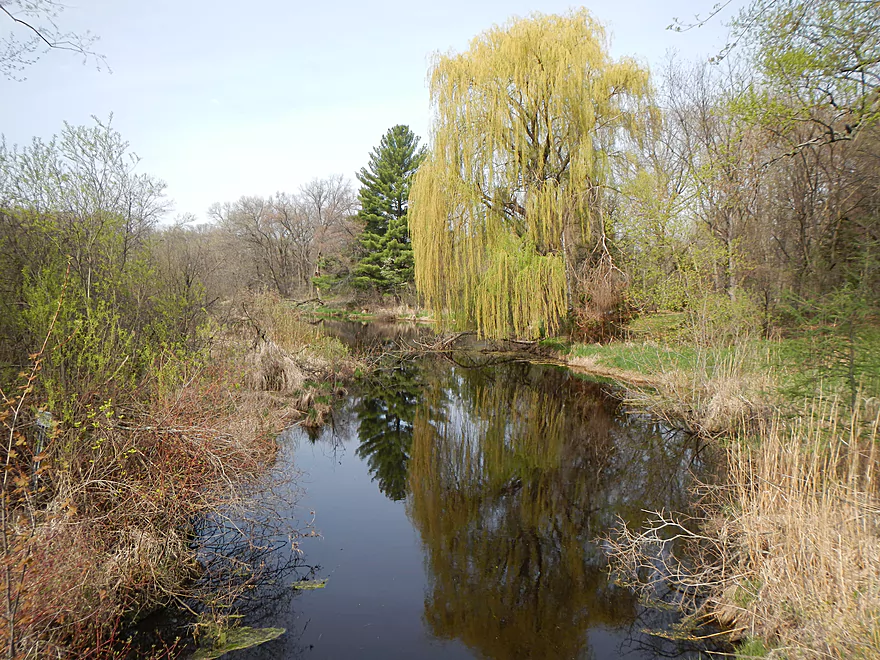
<point>460,510</point>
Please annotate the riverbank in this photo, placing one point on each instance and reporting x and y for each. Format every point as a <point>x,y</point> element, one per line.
<point>209,431</point>
<point>103,533</point>
<point>786,553</point>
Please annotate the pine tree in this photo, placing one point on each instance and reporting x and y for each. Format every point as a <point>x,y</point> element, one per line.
<point>387,264</point>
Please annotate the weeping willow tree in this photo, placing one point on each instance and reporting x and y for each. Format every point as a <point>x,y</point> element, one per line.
<point>527,125</point>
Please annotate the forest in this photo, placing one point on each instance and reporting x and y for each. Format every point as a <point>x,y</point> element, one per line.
<point>706,234</point>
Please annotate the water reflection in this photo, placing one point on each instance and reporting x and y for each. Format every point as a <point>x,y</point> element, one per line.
<point>386,411</point>
<point>496,483</point>
<point>511,484</point>
<point>375,335</point>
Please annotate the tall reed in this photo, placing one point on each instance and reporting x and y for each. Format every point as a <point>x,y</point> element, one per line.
<point>788,549</point>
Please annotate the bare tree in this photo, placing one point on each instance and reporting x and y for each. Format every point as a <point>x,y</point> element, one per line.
<point>329,205</point>
<point>286,236</point>
<point>251,222</point>
<point>34,32</point>
<point>189,263</point>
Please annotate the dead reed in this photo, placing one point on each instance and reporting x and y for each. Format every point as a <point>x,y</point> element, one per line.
<point>721,394</point>
<point>788,550</point>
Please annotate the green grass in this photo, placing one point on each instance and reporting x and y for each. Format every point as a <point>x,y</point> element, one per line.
<point>556,344</point>
<point>751,648</point>
<point>592,378</point>
<point>643,358</point>
<point>810,361</point>
<point>665,326</point>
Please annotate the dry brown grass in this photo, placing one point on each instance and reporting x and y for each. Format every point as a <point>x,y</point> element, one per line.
<point>716,397</point>
<point>288,352</point>
<point>108,533</point>
<point>808,516</point>
<point>400,312</point>
<point>789,550</point>
<point>719,405</point>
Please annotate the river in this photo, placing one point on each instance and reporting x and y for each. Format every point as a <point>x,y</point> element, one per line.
<point>459,508</point>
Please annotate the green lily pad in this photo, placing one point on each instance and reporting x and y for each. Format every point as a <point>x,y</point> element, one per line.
<point>237,639</point>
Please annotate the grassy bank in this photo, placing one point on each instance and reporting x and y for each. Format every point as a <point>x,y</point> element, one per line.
<point>784,554</point>
<point>98,522</point>
<point>721,385</point>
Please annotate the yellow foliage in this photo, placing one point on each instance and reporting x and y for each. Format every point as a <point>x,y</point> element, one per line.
<point>526,124</point>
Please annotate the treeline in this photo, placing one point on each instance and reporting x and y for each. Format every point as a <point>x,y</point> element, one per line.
<point>284,241</point>
<point>566,188</point>
<point>324,239</point>
<point>746,192</point>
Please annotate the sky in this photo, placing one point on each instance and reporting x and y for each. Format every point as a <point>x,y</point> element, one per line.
<point>222,99</point>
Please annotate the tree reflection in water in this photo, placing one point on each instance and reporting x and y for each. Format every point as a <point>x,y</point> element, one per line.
<point>386,409</point>
<point>513,474</point>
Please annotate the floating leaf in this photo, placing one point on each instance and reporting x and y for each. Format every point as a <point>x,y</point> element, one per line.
<point>238,639</point>
<point>309,584</point>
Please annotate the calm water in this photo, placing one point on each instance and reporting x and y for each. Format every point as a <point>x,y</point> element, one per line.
<point>460,510</point>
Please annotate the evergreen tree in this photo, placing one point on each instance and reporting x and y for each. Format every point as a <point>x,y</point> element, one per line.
<point>387,264</point>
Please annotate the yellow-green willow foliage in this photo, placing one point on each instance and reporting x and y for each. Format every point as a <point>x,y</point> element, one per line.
<point>526,122</point>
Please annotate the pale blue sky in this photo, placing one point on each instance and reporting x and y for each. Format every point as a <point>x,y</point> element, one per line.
<point>224,98</point>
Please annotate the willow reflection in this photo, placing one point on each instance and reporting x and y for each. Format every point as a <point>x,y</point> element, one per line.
<point>510,485</point>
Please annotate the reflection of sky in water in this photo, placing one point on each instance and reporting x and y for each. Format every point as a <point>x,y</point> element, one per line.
<point>493,552</point>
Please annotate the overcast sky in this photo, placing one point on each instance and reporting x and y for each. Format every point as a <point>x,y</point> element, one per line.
<point>222,99</point>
